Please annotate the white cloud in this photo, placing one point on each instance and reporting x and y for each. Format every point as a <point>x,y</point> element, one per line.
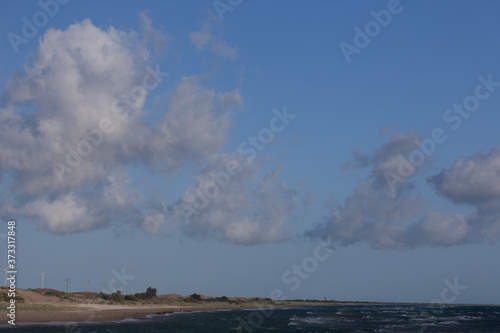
<point>205,39</point>
<point>231,208</point>
<point>79,78</point>
<point>222,48</point>
<point>471,180</point>
<point>200,39</point>
<point>69,213</point>
<point>153,222</point>
<point>384,219</point>
<point>151,35</point>
<point>474,181</point>
<point>439,229</point>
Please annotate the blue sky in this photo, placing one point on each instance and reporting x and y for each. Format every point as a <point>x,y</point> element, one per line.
<point>333,171</point>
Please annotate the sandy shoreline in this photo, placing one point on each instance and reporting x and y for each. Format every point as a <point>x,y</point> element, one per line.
<point>98,313</point>
<point>37,308</point>
<point>112,313</point>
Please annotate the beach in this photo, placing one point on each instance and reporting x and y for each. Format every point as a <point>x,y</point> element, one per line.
<point>391,318</point>
<point>91,313</point>
<point>38,307</point>
<point>49,306</point>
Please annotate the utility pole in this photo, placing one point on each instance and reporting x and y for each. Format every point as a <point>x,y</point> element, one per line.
<point>86,281</point>
<point>43,277</point>
<point>67,283</point>
<point>132,289</point>
<point>5,270</point>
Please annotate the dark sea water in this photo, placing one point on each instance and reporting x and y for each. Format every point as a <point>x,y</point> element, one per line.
<point>355,318</point>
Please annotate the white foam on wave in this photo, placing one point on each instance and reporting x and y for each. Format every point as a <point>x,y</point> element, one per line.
<point>130,320</point>
<point>465,317</point>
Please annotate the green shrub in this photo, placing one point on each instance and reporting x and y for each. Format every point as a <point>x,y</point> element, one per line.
<point>193,298</point>
<point>150,293</point>
<point>53,292</point>
<point>104,296</point>
<point>5,297</point>
<point>117,297</point>
<point>131,298</point>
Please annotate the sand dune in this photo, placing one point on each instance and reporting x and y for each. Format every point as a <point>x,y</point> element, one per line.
<point>89,307</point>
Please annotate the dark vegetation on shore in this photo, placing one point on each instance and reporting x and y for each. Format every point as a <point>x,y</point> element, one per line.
<point>5,297</point>
<point>150,297</point>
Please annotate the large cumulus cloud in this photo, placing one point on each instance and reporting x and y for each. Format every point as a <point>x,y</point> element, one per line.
<point>90,85</point>
<point>75,118</point>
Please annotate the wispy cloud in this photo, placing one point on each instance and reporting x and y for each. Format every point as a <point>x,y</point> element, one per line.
<point>206,39</point>
<point>151,35</point>
<point>383,218</point>
<point>246,210</point>
<point>372,213</point>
